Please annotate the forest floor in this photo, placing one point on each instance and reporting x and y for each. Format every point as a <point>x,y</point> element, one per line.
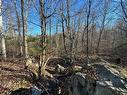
<point>13,75</point>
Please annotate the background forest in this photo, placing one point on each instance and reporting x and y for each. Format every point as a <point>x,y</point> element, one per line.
<point>73,27</point>
<point>79,31</point>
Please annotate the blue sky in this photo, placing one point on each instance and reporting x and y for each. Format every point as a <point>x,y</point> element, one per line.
<point>77,5</point>
<point>34,17</point>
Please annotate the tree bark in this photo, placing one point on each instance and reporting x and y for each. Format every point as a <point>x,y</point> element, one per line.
<point>25,51</point>
<point>102,25</point>
<point>19,29</point>
<point>50,33</point>
<point>63,31</point>
<point>43,37</point>
<point>68,25</point>
<point>3,46</point>
<point>87,28</point>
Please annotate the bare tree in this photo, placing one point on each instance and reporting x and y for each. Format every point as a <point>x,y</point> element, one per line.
<point>77,34</point>
<point>57,39</point>
<point>124,9</point>
<point>93,29</point>
<point>24,24</point>
<point>105,12</point>
<point>68,24</point>
<point>50,33</point>
<point>87,29</point>
<point>19,28</point>
<point>43,35</point>
<point>63,28</point>
<point>43,19</point>
<point>2,35</point>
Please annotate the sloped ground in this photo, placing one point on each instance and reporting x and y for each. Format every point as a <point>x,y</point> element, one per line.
<point>12,77</point>
<point>112,76</point>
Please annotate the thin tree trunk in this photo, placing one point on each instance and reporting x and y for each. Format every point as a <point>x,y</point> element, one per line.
<point>3,47</point>
<point>43,36</point>
<point>25,51</point>
<point>92,35</point>
<point>77,35</point>
<point>57,40</point>
<point>103,24</point>
<point>63,31</point>
<point>101,31</point>
<point>26,45</point>
<point>68,25</point>
<point>19,29</point>
<point>2,34</point>
<point>83,34</point>
<point>50,34</point>
<point>87,25</point>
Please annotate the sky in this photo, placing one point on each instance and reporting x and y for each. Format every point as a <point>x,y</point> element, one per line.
<point>77,5</point>
<point>34,17</point>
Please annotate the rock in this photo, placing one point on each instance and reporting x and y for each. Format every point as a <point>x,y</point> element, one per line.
<point>36,91</point>
<point>26,91</point>
<point>79,85</point>
<point>110,80</point>
<point>102,89</point>
<point>77,68</point>
<point>29,62</point>
<point>32,91</point>
<point>21,91</point>
<point>48,86</point>
<point>63,61</point>
<point>59,69</point>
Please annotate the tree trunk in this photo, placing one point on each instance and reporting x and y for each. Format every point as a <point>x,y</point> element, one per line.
<point>43,37</point>
<point>50,33</point>
<point>68,25</point>
<point>26,45</point>
<point>24,24</point>
<point>102,26</point>
<point>57,40</point>
<point>63,31</point>
<point>19,29</point>
<point>101,31</point>
<point>77,35</point>
<point>64,39</point>
<point>92,35</point>
<point>3,46</point>
<point>87,27</point>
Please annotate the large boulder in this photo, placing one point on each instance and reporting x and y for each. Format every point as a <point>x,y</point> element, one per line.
<point>79,85</point>
<point>108,83</point>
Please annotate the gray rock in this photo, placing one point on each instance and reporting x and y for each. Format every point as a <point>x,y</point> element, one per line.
<point>36,91</point>
<point>79,85</point>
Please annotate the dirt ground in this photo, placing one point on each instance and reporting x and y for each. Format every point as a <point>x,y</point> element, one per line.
<point>12,77</point>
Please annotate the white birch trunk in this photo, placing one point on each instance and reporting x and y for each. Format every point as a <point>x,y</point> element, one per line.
<point>24,22</point>
<point>26,45</point>
<point>2,36</point>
